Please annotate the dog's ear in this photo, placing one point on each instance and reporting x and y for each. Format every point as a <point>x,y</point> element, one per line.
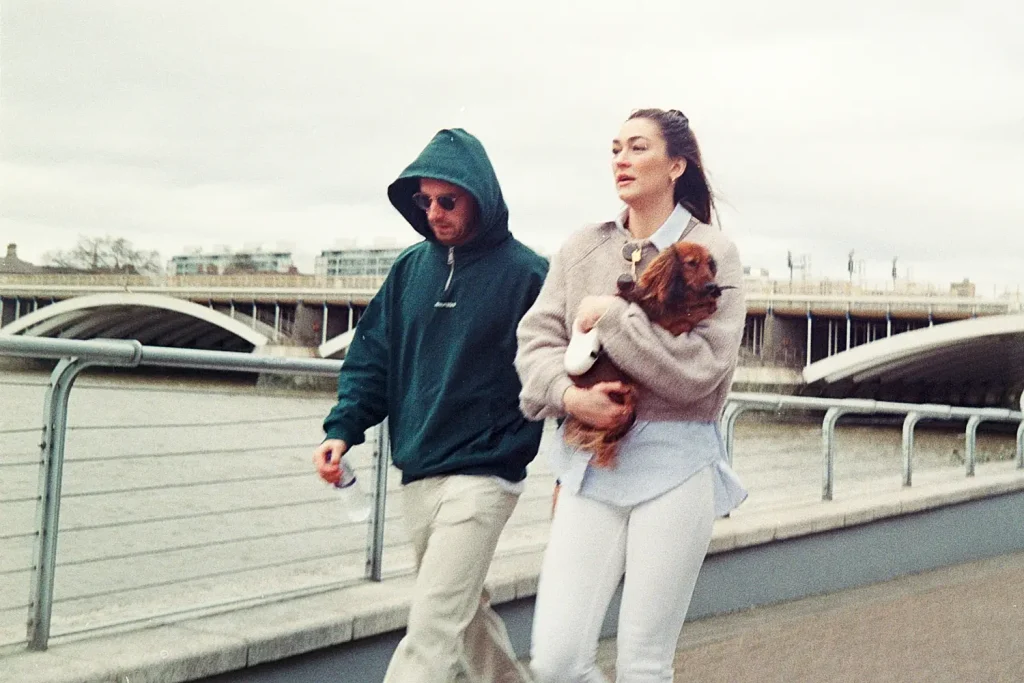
<point>676,277</point>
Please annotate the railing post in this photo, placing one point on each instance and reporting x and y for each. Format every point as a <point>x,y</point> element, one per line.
<point>1020,445</point>
<point>1020,436</point>
<point>828,430</point>
<point>913,417</point>
<point>375,541</point>
<point>971,445</point>
<point>55,415</point>
<point>732,412</point>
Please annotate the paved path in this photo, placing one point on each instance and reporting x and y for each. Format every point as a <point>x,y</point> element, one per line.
<point>962,623</point>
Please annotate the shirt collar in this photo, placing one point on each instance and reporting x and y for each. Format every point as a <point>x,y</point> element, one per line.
<point>669,232</point>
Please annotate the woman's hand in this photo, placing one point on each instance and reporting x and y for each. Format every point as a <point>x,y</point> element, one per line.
<point>590,311</point>
<point>595,406</point>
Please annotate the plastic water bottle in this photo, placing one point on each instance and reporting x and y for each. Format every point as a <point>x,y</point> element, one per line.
<point>357,504</point>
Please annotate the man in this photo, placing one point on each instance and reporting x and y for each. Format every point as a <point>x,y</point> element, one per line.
<point>434,352</point>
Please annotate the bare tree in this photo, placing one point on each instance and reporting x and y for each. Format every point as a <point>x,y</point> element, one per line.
<point>106,255</point>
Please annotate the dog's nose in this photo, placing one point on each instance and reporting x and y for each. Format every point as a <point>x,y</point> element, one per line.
<point>713,290</point>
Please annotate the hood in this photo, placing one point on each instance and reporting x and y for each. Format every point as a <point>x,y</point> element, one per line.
<point>455,156</point>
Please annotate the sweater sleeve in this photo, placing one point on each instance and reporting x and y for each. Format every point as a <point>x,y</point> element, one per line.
<point>363,381</point>
<point>688,367</point>
<point>542,339</point>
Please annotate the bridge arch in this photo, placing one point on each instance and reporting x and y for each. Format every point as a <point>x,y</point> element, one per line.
<point>153,319</point>
<point>337,347</point>
<point>978,361</point>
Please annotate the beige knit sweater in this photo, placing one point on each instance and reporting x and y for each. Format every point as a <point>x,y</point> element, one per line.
<point>680,378</point>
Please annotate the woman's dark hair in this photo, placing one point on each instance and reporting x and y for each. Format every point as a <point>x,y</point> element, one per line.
<point>692,188</point>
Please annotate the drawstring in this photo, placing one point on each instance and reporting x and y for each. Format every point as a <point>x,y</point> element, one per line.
<point>451,265</point>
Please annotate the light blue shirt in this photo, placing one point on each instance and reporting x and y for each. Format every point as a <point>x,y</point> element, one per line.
<point>654,457</point>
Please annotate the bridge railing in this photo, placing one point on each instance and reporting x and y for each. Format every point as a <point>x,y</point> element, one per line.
<point>880,304</point>
<point>771,294</point>
<point>44,281</point>
<point>257,494</point>
<point>834,409</point>
<point>123,493</point>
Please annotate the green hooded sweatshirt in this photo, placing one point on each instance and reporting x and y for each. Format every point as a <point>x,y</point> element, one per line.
<point>434,349</point>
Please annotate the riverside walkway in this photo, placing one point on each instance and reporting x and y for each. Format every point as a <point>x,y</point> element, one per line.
<point>195,543</point>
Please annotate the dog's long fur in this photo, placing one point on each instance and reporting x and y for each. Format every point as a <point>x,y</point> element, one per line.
<point>676,291</point>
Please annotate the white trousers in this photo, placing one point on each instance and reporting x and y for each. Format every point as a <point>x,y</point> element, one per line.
<point>660,546</point>
<point>453,634</point>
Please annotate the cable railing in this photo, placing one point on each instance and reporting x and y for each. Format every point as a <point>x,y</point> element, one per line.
<point>190,509</point>
<point>834,409</point>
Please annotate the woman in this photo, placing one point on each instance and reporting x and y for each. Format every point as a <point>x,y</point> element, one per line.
<point>649,517</point>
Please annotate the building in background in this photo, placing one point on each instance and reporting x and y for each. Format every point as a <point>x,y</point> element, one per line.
<point>965,288</point>
<point>13,265</point>
<point>226,263</point>
<point>373,261</point>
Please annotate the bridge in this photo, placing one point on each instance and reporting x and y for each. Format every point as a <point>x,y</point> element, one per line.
<point>789,332</point>
<point>285,314</point>
<point>978,361</point>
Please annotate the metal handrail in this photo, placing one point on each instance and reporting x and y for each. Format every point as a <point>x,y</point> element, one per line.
<point>130,353</point>
<point>881,298</point>
<point>739,403</point>
<point>76,355</point>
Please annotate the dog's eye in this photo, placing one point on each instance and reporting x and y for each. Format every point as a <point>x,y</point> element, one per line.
<point>713,265</point>
<point>690,263</point>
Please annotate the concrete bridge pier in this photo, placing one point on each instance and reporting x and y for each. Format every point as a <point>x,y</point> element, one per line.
<point>12,308</point>
<point>784,341</point>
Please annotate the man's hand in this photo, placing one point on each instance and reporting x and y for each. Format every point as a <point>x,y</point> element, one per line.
<point>327,459</point>
<point>594,406</point>
<point>590,311</point>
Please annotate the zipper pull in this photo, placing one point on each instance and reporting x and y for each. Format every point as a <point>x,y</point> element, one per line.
<point>451,266</point>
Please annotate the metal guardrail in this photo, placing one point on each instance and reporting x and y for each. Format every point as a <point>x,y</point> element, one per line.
<point>879,305</point>
<point>74,356</point>
<point>834,409</point>
<point>47,282</point>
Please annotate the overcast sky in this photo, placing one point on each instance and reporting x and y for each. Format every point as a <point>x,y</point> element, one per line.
<point>893,128</point>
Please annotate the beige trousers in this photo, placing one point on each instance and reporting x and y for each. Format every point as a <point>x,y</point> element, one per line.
<point>453,635</point>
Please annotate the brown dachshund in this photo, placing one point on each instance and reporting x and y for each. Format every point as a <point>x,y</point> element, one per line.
<point>676,291</point>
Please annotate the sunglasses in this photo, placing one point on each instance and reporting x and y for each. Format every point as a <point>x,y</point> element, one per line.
<point>445,201</point>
